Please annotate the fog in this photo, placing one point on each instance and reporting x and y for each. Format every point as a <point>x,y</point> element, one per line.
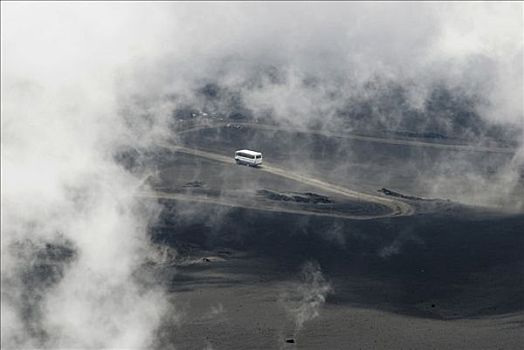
<point>452,72</point>
<point>62,192</point>
<point>82,81</point>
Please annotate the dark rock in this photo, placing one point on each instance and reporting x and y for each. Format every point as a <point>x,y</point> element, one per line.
<point>194,184</point>
<point>307,197</point>
<point>398,194</point>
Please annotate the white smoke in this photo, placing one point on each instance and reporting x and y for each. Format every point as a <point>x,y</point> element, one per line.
<point>304,300</point>
<point>62,192</point>
<point>396,246</point>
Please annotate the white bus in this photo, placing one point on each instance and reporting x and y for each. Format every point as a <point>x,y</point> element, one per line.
<point>251,158</point>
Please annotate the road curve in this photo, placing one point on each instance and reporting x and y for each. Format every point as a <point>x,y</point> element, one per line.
<point>237,204</point>
<point>397,207</point>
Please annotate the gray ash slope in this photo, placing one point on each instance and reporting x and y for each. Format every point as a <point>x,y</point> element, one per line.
<point>450,267</point>
<point>467,268</point>
<point>463,269</point>
<point>451,270</point>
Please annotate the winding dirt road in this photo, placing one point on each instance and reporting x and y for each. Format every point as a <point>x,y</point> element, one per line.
<point>397,207</point>
<point>256,206</point>
<point>415,143</point>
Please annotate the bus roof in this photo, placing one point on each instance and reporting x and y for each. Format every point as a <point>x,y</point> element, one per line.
<point>253,153</point>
